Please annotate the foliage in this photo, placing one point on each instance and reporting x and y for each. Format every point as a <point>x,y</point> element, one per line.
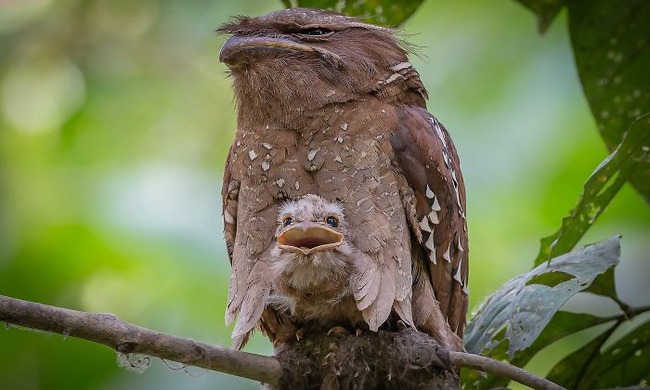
<point>599,190</point>
<point>525,305</point>
<point>612,53</point>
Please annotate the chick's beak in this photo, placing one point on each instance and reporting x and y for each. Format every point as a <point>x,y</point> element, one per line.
<point>308,238</point>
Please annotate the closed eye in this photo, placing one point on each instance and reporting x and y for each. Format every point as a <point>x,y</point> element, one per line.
<point>315,31</point>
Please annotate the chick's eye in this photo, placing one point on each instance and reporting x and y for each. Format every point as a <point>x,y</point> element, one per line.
<point>332,221</point>
<point>315,31</point>
<point>286,221</point>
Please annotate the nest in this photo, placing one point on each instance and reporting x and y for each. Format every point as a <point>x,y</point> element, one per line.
<point>384,360</point>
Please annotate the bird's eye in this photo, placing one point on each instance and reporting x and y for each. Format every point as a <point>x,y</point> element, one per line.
<point>315,31</point>
<point>286,221</point>
<point>332,221</point>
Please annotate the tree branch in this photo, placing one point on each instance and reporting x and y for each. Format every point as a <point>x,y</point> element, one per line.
<point>123,337</point>
<point>504,369</point>
<point>127,338</point>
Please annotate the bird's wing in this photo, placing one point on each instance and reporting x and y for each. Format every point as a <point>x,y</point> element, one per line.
<point>230,197</point>
<point>427,158</point>
<point>248,228</point>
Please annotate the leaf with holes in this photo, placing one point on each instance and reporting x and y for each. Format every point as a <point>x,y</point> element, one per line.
<point>524,308</point>
<point>611,45</point>
<point>563,324</point>
<point>599,190</point>
<point>384,12</point>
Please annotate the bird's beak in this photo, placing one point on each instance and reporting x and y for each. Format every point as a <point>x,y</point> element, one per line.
<point>308,238</point>
<point>238,48</point>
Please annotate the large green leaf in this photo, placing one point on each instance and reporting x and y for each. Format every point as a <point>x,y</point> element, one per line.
<point>626,362</point>
<point>563,324</point>
<point>598,191</point>
<point>611,44</point>
<point>524,308</point>
<point>385,12</point>
<point>571,371</point>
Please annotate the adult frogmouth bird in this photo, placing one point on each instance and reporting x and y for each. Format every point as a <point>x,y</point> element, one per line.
<point>329,105</point>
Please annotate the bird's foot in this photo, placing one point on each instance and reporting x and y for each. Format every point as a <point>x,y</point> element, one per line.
<point>338,331</point>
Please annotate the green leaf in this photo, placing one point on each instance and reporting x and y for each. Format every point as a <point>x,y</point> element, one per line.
<point>611,44</point>
<point>563,324</point>
<point>524,309</point>
<point>546,11</point>
<point>626,362</point>
<point>571,371</point>
<point>384,12</point>
<point>604,285</point>
<point>598,191</point>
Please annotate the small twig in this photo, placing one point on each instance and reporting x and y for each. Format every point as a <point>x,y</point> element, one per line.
<point>635,311</point>
<point>504,369</point>
<point>109,330</point>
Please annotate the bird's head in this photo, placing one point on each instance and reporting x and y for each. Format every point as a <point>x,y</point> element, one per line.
<point>307,58</point>
<point>310,225</point>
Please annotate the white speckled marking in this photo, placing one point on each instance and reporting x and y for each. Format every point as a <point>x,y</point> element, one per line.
<point>252,155</point>
<point>436,205</point>
<point>458,276</point>
<point>424,225</point>
<point>400,66</point>
<point>447,255</point>
<point>433,217</point>
<point>429,243</point>
<point>392,78</point>
<point>429,193</point>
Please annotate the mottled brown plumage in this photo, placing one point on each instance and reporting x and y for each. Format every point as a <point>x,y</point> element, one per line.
<point>329,105</point>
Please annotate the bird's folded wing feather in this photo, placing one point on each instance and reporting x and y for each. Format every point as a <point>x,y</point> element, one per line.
<point>427,157</point>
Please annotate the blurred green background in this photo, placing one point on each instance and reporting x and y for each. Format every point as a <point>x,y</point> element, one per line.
<point>115,120</point>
